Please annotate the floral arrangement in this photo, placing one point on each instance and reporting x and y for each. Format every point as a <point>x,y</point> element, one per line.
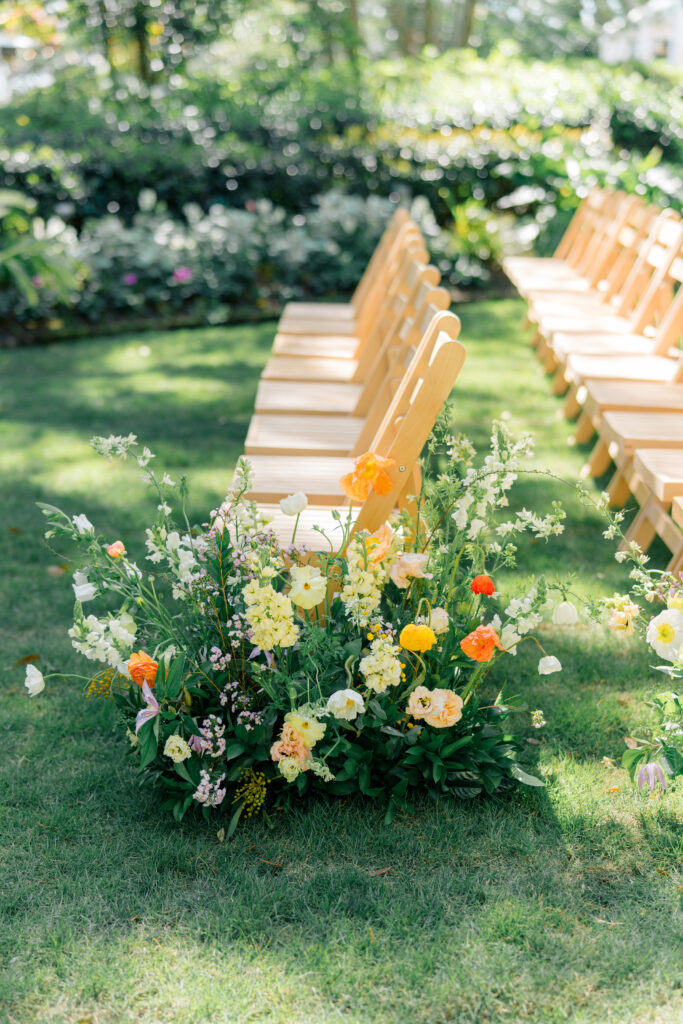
<point>655,761</point>
<point>246,673</point>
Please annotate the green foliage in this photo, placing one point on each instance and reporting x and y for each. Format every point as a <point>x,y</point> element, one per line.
<point>560,906</point>
<point>29,259</point>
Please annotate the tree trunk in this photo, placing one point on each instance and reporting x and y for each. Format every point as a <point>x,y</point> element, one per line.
<point>142,43</point>
<point>463,23</point>
<point>431,24</point>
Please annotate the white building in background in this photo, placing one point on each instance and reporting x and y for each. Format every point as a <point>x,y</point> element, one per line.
<point>653,31</point>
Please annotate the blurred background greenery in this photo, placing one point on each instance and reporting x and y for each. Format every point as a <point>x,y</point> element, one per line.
<point>183,162</point>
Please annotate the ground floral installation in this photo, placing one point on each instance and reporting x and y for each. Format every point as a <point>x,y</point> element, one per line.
<point>655,761</point>
<point>246,674</point>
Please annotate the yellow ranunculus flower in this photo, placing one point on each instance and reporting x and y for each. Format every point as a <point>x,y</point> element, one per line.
<point>309,728</point>
<point>417,638</point>
<point>676,602</point>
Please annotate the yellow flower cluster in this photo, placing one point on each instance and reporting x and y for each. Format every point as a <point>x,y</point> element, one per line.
<point>99,688</point>
<point>622,613</point>
<point>362,590</point>
<point>381,667</point>
<point>270,615</point>
<point>251,791</point>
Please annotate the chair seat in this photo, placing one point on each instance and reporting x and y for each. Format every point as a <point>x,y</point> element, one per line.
<point>333,346</point>
<point>309,368</point>
<point>340,325</point>
<point>601,344</point>
<point>583,323</point>
<point>318,310</point>
<point>605,395</point>
<point>314,515</point>
<point>307,397</point>
<point>631,430</point>
<point>302,435</point>
<point>589,367</point>
<point>662,470</point>
<point>317,476</point>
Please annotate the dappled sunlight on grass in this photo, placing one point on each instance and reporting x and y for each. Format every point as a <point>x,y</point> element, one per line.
<point>552,906</point>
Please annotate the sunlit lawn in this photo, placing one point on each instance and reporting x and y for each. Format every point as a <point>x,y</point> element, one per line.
<point>551,906</point>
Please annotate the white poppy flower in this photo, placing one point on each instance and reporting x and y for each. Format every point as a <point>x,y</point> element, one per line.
<point>665,633</point>
<point>548,665</point>
<point>83,524</point>
<point>346,704</point>
<point>565,614</point>
<point>294,504</point>
<point>34,681</point>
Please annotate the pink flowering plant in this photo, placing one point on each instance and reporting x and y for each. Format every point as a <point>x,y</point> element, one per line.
<point>247,671</point>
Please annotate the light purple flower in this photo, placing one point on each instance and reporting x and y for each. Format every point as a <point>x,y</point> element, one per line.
<point>37,281</point>
<point>196,743</point>
<point>148,713</point>
<point>130,279</point>
<point>182,274</point>
<point>649,775</point>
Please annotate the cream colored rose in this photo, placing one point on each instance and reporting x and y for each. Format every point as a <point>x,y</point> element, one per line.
<point>409,564</point>
<point>420,702</point>
<point>439,620</point>
<point>446,709</point>
<point>289,768</point>
<point>177,749</point>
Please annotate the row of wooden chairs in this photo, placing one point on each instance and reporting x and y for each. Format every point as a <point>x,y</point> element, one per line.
<point>608,313</point>
<point>343,380</point>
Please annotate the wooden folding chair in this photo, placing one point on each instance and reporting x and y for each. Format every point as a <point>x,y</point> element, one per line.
<point>530,272</point>
<point>659,473</point>
<point>412,274</point>
<point>623,224</point>
<point>635,308</point>
<point>623,433</point>
<point>401,435</point>
<point>331,398</point>
<point>655,360</point>
<point>626,247</point>
<point>344,435</point>
<point>337,338</point>
<point>332,313</point>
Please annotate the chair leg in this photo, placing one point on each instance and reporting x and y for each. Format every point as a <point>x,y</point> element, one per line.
<point>560,383</point>
<point>536,340</point>
<point>618,490</point>
<point>572,407</point>
<point>641,530</point>
<point>584,428</point>
<point>598,461</point>
<point>550,360</point>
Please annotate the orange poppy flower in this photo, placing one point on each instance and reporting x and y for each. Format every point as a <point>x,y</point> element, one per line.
<point>142,668</point>
<point>369,474</point>
<point>482,584</point>
<point>377,544</point>
<point>481,643</point>
<point>116,549</point>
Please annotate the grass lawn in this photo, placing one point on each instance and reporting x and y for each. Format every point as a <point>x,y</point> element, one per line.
<point>546,906</point>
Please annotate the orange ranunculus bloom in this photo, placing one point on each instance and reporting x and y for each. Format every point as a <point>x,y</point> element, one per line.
<point>482,584</point>
<point>142,668</point>
<point>481,643</point>
<point>415,637</point>
<point>369,474</point>
<point>116,549</point>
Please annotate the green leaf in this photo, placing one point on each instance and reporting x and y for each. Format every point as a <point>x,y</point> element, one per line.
<point>518,773</point>
<point>234,749</point>
<point>630,759</point>
<point>234,821</point>
<point>148,744</point>
<point>377,709</point>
